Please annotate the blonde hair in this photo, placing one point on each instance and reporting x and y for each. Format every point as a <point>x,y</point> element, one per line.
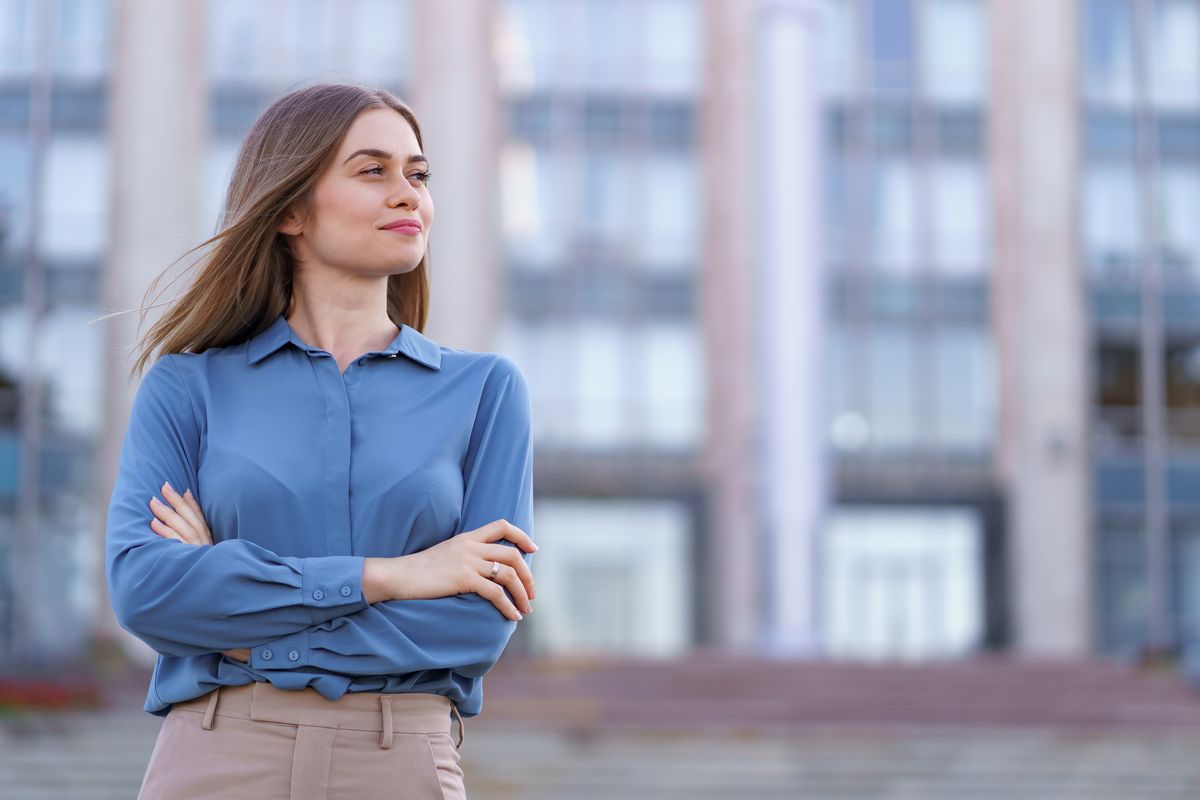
<point>245,281</point>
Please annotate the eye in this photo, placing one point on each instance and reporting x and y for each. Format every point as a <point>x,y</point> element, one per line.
<point>423,177</point>
<point>372,169</point>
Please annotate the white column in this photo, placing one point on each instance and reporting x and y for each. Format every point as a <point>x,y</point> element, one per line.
<point>158,124</point>
<point>791,322</point>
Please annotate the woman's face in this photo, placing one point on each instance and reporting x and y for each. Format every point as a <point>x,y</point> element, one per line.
<point>362,192</point>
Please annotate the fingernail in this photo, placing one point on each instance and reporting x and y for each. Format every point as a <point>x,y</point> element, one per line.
<point>520,616</point>
<point>168,486</point>
<point>535,547</point>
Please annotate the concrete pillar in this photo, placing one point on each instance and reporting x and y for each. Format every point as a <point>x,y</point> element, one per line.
<point>790,323</point>
<point>158,118</point>
<point>456,98</point>
<point>1040,307</point>
<point>728,261</point>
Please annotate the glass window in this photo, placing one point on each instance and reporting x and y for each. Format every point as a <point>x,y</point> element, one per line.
<point>893,215</point>
<point>1175,54</point>
<point>616,577</point>
<point>83,38</point>
<point>528,43</point>
<point>966,387</point>
<point>533,206</point>
<point>891,45</point>
<point>838,48</point>
<point>1179,199</point>
<point>383,41</point>
<point>71,355</point>
<point>314,24</point>
<point>75,215</point>
<point>237,48</point>
<point>671,46</point>
<point>959,216</point>
<point>1108,50</point>
<point>953,62</point>
<point>14,191</point>
<point>1111,220</point>
<point>892,387</point>
<point>600,367</point>
<point>545,353</point>
<point>902,582</point>
<point>606,204</point>
<point>670,224</point>
<point>672,385</point>
<point>17,37</point>
<point>605,32</point>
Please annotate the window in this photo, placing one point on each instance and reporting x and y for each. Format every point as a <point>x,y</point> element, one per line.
<point>668,237</point>
<point>894,215</point>
<point>961,238</point>
<point>616,577</point>
<point>533,198</point>
<point>891,45</point>
<point>1108,51</point>
<point>76,207</point>
<point>1175,54</point>
<point>902,582</point>
<point>953,60</point>
<point>966,389</point>
<point>1111,220</point>
<point>1179,206</point>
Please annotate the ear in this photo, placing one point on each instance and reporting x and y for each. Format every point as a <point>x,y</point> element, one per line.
<point>292,223</point>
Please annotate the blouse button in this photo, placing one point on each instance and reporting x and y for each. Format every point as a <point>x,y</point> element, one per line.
<point>362,361</point>
<point>346,591</point>
<point>267,655</point>
<point>318,595</point>
<point>293,655</point>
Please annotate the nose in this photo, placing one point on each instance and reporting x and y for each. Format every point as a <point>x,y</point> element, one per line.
<point>407,195</point>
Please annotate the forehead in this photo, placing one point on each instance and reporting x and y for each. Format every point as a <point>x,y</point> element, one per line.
<point>383,128</point>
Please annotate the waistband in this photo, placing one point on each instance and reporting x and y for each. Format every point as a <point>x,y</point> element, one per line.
<point>399,712</point>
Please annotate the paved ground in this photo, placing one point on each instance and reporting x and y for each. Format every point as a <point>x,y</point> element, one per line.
<point>734,728</point>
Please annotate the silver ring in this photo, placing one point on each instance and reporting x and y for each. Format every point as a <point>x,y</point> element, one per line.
<point>495,569</point>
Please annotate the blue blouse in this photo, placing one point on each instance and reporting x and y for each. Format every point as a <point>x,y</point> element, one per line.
<point>302,472</point>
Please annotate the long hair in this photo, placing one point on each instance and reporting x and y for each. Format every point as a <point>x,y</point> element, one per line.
<point>245,281</point>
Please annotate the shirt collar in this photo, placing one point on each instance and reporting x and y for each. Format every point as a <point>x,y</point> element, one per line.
<point>409,341</point>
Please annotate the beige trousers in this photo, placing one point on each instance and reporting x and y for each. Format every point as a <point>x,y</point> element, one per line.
<point>257,741</point>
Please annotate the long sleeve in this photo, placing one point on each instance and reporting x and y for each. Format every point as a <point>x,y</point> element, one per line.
<point>463,632</point>
<point>184,599</point>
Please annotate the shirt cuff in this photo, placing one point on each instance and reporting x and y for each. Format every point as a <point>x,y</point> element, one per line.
<point>332,587</point>
<point>286,652</point>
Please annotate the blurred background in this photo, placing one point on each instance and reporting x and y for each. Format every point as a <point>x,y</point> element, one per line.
<point>862,339</point>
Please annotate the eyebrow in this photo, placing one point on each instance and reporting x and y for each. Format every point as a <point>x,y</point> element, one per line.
<point>384,154</point>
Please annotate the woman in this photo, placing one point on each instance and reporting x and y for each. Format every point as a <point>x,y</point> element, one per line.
<point>341,547</point>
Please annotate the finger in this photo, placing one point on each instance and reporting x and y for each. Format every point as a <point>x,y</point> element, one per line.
<point>182,506</point>
<point>162,530</point>
<point>503,529</point>
<point>168,515</point>
<point>507,577</point>
<point>512,557</point>
<point>195,505</point>
<point>490,590</point>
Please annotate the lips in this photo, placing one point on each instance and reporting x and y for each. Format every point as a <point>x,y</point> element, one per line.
<point>404,226</point>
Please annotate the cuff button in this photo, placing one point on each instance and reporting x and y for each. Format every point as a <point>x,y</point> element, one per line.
<point>293,655</point>
<point>346,591</point>
<point>267,654</point>
<point>318,595</point>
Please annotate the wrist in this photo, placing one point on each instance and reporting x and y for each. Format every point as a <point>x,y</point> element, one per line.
<point>381,579</point>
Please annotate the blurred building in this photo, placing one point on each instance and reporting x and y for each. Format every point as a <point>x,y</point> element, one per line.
<point>835,312</point>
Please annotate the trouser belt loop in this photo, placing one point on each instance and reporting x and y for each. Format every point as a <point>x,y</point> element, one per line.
<point>461,733</point>
<point>385,702</point>
<point>211,710</point>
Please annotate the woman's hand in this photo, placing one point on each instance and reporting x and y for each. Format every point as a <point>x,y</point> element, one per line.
<point>463,563</point>
<point>182,520</point>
